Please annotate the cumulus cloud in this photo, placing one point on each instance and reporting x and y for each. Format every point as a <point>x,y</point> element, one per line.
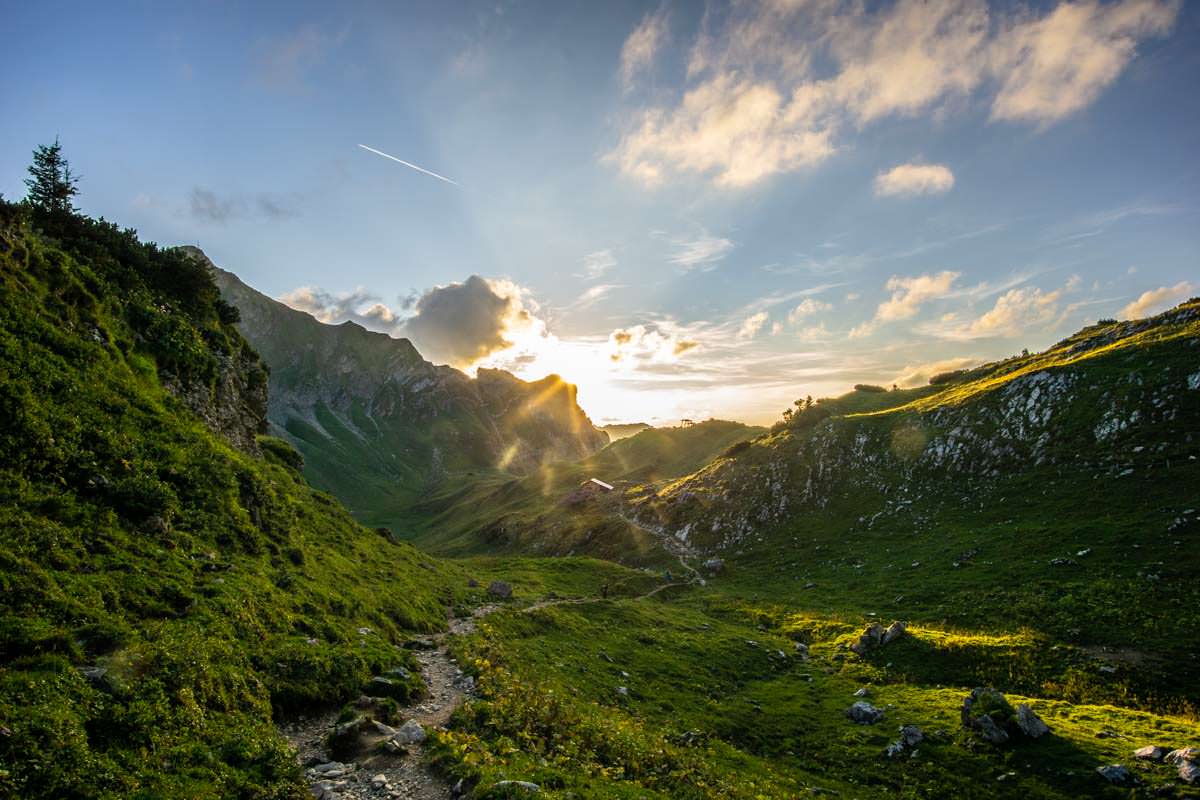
<point>807,307</point>
<point>774,86</point>
<point>1156,300</point>
<point>908,295</point>
<point>653,343</point>
<point>752,325</point>
<point>642,46</point>
<point>906,180</point>
<point>919,374</point>
<point>462,323</point>
<point>357,306</point>
<point>702,252</point>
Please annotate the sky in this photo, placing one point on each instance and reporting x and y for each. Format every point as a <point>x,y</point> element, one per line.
<point>688,209</point>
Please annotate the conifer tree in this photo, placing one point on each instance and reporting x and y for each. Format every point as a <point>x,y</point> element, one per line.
<point>52,185</point>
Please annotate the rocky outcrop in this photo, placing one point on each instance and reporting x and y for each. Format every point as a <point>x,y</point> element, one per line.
<point>234,404</point>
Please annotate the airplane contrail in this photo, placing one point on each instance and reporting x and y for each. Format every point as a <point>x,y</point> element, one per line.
<point>412,166</point>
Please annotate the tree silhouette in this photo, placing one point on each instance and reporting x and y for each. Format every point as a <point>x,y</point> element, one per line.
<point>52,185</point>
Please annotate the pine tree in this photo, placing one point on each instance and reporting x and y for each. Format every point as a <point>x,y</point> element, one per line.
<point>52,185</point>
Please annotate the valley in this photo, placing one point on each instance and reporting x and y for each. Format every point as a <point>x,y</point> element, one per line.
<point>204,563</point>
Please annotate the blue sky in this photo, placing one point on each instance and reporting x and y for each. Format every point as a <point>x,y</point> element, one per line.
<point>688,209</point>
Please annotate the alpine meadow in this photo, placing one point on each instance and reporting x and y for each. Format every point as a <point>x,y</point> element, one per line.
<point>632,401</point>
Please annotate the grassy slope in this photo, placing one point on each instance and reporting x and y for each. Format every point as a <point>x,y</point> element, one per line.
<point>494,512</point>
<point>137,541</point>
<point>1100,645</point>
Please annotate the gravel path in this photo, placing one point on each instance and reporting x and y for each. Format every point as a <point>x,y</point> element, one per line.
<point>382,776</point>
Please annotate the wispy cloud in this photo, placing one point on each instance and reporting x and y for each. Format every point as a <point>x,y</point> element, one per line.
<point>284,62</point>
<point>205,205</point>
<point>597,264</point>
<point>642,45</point>
<point>752,325</point>
<point>702,252</point>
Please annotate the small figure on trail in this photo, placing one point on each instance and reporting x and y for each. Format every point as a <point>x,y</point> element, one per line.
<point>604,591</point>
<point>667,575</point>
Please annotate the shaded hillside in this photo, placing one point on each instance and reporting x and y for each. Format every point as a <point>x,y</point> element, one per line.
<point>379,426</point>
<point>545,513</point>
<point>162,592</point>
<point>619,431</point>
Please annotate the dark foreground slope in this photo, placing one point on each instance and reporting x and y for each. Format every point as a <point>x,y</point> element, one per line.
<point>163,588</point>
<point>379,426</point>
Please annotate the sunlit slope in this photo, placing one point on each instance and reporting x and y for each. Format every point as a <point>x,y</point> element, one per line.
<point>1056,491</point>
<point>162,591</point>
<point>544,512</point>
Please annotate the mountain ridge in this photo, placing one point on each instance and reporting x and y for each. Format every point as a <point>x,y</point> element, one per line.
<point>380,426</point>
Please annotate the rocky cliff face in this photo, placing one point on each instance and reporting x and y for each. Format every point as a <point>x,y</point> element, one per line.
<point>234,404</point>
<point>1113,403</point>
<point>379,425</point>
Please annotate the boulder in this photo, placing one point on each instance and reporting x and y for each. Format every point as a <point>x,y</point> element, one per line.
<point>387,687</point>
<point>1116,774</point>
<point>864,713</point>
<point>1030,723</point>
<point>1150,752</point>
<point>1183,754</point>
<point>911,735</point>
<point>526,786</point>
<point>714,566</point>
<point>500,590</point>
<point>894,632</point>
<point>1189,771</point>
<point>869,639</point>
<point>347,739</point>
<point>410,732</point>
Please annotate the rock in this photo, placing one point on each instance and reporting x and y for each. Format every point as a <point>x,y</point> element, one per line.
<point>894,632</point>
<point>532,788</point>
<point>379,780</point>
<point>382,729</point>
<point>989,714</point>
<point>1183,754</point>
<point>623,691</point>
<point>1116,774</point>
<point>1030,723</point>
<point>329,766</point>
<point>864,713</point>
<point>869,639</point>
<point>364,631</point>
<point>500,590</point>
<point>399,672</point>
<point>97,676</point>
<point>911,735</point>
<point>410,732</point>
<point>801,650</point>
<point>472,584</point>
<point>863,692</point>
<point>1150,752</point>
<point>714,566</point>
<point>420,643</point>
<point>1189,771</point>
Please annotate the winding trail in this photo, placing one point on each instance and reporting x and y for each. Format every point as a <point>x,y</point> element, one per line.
<point>671,544</point>
<point>381,776</point>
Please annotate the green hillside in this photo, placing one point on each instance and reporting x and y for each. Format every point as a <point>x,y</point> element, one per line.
<point>162,591</point>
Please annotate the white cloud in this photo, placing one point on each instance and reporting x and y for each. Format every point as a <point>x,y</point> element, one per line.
<point>702,252</point>
<point>807,307</point>
<point>777,85</point>
<point>908,294</point>
<point>654,343</point>
<point>1054,66</point>
<point>752,325</point>
<point>914,179</point>
<point>359,306</point>
<point>919,374</point>
<point>642,45</point>
<point>594,295</point>
<point>1015,313</point>
<point>1159,299</point>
